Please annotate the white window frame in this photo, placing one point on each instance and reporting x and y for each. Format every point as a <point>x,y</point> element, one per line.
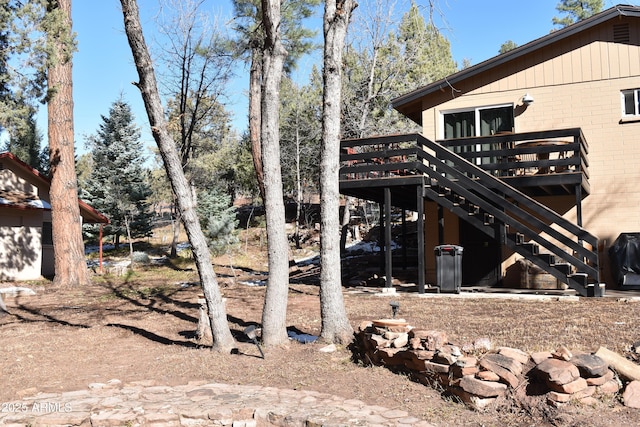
<point>636,103</point>
<point>476,111</point>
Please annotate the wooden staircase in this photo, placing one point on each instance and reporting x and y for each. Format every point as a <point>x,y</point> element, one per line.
<point>570,252</point>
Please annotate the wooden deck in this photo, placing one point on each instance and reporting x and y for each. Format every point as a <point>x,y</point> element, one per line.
<point>536,163</point>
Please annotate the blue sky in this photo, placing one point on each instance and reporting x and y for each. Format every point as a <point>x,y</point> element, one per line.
<point>103,66</point>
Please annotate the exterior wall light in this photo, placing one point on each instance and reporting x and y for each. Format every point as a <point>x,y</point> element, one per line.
<point>395,307</point>
<point>527,99</point>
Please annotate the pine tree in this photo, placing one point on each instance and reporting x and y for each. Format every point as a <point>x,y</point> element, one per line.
<point>576,10</point>
<point>118,185</point>
<point>217,219</point>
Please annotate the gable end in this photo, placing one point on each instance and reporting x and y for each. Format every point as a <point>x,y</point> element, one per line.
<point>621,33</point>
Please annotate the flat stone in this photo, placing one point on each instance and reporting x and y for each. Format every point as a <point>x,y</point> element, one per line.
<point>415,343</point>
<point>540,356</point>
<point>505,374</point>
<point>609,375</point>
<point>391,335</point>
<point>572,387</point>
<point>555,371</point>
<point>454,350</point>
<point>378,341</point>
<point>515,354</point>
<point>438,368</point>
<point>612,386</point>
<point>563,353</point>
<point>401,341</point>
<point>424,354</point>
<point>364,325</point>
<point>462,371</point>
<point>431,340</point>
<point>631,395</point>
<point>559,397</point>
<point>466,361</point>
<point>488,376</point>
<point>445,358</point>
<point>506,362</point>
<point>388,355</point>
<point>482,388</point>
<point>590,365</point>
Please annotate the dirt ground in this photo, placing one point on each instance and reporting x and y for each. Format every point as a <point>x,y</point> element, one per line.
<point>141,326</point>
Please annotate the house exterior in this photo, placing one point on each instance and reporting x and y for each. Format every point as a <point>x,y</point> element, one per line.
<point>558,119</point>
<point>26,245</point>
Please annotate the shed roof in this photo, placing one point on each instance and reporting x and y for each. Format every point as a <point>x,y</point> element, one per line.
<point>18,200</point>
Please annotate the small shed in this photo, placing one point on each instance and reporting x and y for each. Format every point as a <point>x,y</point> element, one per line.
<point>26,243</point>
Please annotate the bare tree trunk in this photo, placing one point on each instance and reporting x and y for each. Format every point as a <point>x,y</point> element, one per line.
<point>222,338</point>
<point>175,229</point>
<point>335,324</point>
<point>68,247</point>
<point>274,314</point>
<point>298,188</point>
<point>255,94</point>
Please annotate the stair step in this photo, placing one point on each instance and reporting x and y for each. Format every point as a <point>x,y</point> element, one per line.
<point>489,219</point>
<point>444,191</point>
<point>458,200</point>
<point>532,247</point>
<point>564,267</point>
<point>581,278</point>
<point>474,210</point>
<point>519,239</point>
<point>548,258</point>
<point>595,290</point>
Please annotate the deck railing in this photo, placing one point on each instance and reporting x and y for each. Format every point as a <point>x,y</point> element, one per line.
<point>525,154</point>
<point>505,155</point>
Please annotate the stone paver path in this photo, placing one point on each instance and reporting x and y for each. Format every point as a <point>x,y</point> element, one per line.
<point>196,404</point>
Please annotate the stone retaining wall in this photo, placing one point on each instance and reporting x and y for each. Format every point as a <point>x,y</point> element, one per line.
<point>480,375</point>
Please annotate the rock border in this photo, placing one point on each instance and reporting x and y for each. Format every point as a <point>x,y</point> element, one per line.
<point>481,376</point>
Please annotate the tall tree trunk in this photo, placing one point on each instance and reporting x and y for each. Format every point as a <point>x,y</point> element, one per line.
<point>335,324</point>
<point>255,82</point>
<point>274,314</point>
<point>222,338</point>
<point>68,247</point>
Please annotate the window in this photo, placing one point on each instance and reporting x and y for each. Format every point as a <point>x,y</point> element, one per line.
<point>47,233</point>
<point>477,122</point>
<point>631,102</point>
<point>481,121</point>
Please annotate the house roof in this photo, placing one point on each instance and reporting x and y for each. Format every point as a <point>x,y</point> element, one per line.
<point>409,104</point>
<point>16,199</point>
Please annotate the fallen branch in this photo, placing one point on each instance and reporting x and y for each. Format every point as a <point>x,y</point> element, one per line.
<point>625,368</point>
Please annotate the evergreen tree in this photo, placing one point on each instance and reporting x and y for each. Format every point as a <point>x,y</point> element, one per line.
<point>507,46</point>
<point>576,10</point>
<point>118,185</point>
<point>24,142</point>
<point>218,219</point>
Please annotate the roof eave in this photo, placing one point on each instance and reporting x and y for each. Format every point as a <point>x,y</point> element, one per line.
<point>620,10</point>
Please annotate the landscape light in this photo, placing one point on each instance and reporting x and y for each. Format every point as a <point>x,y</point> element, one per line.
<point>395,308</point>
<point>250,332</point>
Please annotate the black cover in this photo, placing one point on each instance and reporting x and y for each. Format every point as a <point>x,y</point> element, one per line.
<point>625,256</point>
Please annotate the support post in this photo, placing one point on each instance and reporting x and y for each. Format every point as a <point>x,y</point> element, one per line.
<point>388,253</point>
<point>440,225</point>
<point>404,238</point>
<point>420,237</point>
<point>579,204</point>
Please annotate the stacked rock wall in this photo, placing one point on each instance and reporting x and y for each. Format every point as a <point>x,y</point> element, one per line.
<point>480,375</point>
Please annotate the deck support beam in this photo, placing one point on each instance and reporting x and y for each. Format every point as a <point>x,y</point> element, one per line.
<point>420,237</point>
<point>388,253</point>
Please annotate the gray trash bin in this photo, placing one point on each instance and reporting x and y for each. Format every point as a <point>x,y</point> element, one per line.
<point>449,268</point>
